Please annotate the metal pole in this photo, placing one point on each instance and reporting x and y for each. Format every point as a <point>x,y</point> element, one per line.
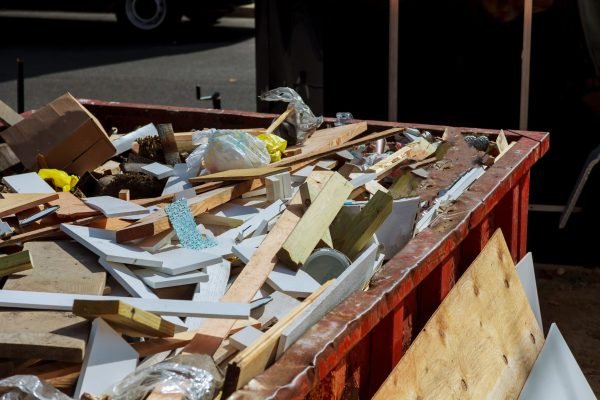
<point>526,64</point>
<point>20,87</point>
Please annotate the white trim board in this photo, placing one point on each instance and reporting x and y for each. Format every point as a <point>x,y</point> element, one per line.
<point>108,359</point>
<point>245,338</point>
<point>232,210</point>
<point>179,181</point>
<point>124,143</point>
<point>527,277</point>
<point>27,183</point>
<point>212,290</point>
<point>352,279</point>
<point>157,280</point>
<point>247,228</point>
<point>293,283</point>
<point>179,260</point>
<point>101,242</point>
<point>556,374</point>
<point>114,207</point>
<point>183,308</point>
<point>158,170</point>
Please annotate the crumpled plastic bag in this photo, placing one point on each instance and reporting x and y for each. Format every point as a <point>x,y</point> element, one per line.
<point>28,387</point>
<point>166,378</point>
<point>60,179</point>
<point>302,119</point>
<point>221,150</point>
<point>275,145</point>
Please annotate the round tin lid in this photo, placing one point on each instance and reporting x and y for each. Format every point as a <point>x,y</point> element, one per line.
<point>325,264</point>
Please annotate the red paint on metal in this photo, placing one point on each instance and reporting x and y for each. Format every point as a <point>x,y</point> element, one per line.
<point>523,213</point>
<point>507,218</point>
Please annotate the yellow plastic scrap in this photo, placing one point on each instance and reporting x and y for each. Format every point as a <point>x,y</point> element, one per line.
<point>275,145</point>
<point>60,179</point>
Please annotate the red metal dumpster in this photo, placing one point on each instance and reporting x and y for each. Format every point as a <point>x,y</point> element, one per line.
<point>350,352</point>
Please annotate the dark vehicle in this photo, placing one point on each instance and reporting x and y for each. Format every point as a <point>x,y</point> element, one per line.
<point>139,15</point>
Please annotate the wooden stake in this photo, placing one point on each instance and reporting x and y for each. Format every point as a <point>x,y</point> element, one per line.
<point>167,138</point>
<point>17,262</point>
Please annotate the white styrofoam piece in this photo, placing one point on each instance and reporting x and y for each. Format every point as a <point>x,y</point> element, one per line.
<point>245,337</point>
<point>108,359</point>
<point>527,277</point>
<point>556,374</point>
<point>294,283</point>
<point>248,227</point>
<point>124,143</point>
<point>212,290</point>
<point>133,284</point>
<point>179,181</point>
<point>302,174</point>
<point>157,280</point>
<point>158,170</point>
<point>64,302</point>
<point>352,279</point>
<point>179,260</point>
<point>233,210</point>
<point>114,207</point>
<point>101,242</point>
<point>27,183</point>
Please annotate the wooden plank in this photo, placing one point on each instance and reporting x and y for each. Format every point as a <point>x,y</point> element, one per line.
<point>124,194</point>
<point>27,183</point>
<point>359,229</point>
<point>330,137</point>
<point>256,358</point>
<point>124,318</point>
<point>525,64</point>
<point>480,343</point>
<point>218,220</point>
<point>159,222</point>
<point>275,124</point>
<point>17,202</point>
<point>72,207</point>
<point>114,207</point>
<point>240,174</point>
<point>7,157</point>
<point>61,267</point>
<point>154,243</point>
<point>169,145</point>
<point>418,150</point>
<point>184,308</point>
<point>315,222</point>
<point>309,192</point>
<point>108,359</point>
<point>184,141</point>
<point>16,262</point>
<point>8,115</point>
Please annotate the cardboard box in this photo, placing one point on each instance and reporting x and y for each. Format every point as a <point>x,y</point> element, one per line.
<point>68,135</point>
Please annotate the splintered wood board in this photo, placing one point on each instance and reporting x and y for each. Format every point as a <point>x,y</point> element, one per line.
<point>330,137</point>
<point>209,336</point>
<point>13,203</point>
<point>481,342</point>
<point>27,183</point>
<point>418,150</point>
<point>240,174</point>
<point>62,267</point>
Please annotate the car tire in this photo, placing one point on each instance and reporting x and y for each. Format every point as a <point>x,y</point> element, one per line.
<point>148,16</point>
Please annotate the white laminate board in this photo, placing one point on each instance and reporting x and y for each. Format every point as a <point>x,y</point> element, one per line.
<point>151,209</point>
<point>527,277</point>
<point>179,181</point>
<point>294,283</point>
<point>245,337</point>
<point>158,170</point>
<point>102,243</point>
<point>361,178</point>
<point>157,280</point>
<point>244,253</point>
<point>247,228</point>
<point>303,173</point>
<point>556,374</point>
<point>108,359</point>
<point>179,260</point>
<point>280,306</point>
<point>352,279</point>
<point>212,290</point>
<point>27,183</point>
<point>233,210</point>
<point>124,143</point>
<point>64,302</point>
<point>114,207</point>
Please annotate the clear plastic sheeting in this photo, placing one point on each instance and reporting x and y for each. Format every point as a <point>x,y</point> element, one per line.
<point>28,387</point>
<point>302,119</point>
<point>166,378</point>
<point>221,150</point>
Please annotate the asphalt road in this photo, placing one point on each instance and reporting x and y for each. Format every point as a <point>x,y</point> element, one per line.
<point>91,57</point>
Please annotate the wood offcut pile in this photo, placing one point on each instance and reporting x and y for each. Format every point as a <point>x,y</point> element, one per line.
<point>137,261</point>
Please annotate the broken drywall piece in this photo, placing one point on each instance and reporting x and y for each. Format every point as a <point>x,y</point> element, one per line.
<point>294,283</point>
<point>27,183</point>
<point>114,207</point>
<point>158,280</point>
<point>124,143</point>
<point>158,170</point>
<point>183,222</point>
<point>245,338</point>
<point>179,260</point>
<point>556,374</point>
<point>108,359</point>
<point>101,242</point>
<point>527,276</point>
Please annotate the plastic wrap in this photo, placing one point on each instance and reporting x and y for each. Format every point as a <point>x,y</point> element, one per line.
<point>221,150</point>
<point>302,119</point>
<point>60,179</point>
<point>28,387</point>
<point>166,378</point>
<point>275,145</point>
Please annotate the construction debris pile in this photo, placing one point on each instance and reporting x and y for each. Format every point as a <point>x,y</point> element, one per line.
<point>137,263</point>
